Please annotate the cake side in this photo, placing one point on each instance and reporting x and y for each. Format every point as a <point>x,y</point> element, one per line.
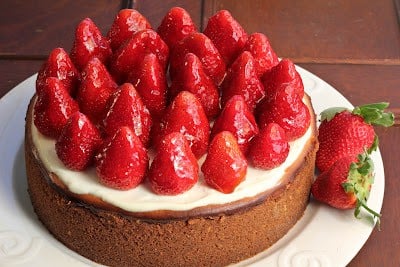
<point>116,239</point>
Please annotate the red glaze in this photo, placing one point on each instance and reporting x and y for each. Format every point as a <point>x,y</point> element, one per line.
<point>95,89</point>
<point>122,162</point>
<point>264,56</point>
<point>192,78</point>
<point>237,119</point>
<point>200,45</point>
<point>53,107</point>
<point>227,35</point>
<point>78,142</point>
<point>59,65</point>
<point>225,166</point>
<point>241,79</point>
<point>89,43</point>
<point>176,25</point>
<point>186,116</point>
<point>150,82</point>
<point>129,56</point>
<point>126,23</point>
<point>174,169</point>
<point>269,148</point>
<point>125,108</point>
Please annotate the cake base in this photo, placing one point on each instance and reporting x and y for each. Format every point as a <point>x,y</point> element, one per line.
<point>114,239</point>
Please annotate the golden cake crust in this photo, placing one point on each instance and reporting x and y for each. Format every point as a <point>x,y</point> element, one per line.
<point>212,236</point>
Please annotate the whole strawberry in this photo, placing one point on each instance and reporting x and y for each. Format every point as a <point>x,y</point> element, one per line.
<point>78,142</point>
<point>174,169</point>
<point>122,162</point>
<point>346,184</point>
<point>348,133</point>
<point>225,166</point>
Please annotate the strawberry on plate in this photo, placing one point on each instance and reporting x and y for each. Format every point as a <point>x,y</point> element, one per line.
<point>269,148</point>
<point>176,25</point>
<point>348,133</point>
<point>53,107</point>
<point>78,142</point>
<point>126,23</point>
<point>59,65</point>
<point>227,34</point>
<point>174,169</point>
<point>89,43</point>
<point>225,166</point>
<point>122,161</point>
<point>95,89</point>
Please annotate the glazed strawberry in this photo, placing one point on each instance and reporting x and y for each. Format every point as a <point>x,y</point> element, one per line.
<point>150,82</point>
<point>200,45</point>
<point>225,166</point>
<point>122,162</point>
<point>126,23</point>
<point>348,133</point>
<point>176,25</point>
<point>96,87</point>
<point>186,116</point>
<point>192,78</point>
<point>174,169</point>
<point>260,48</point>
<point>89,43</point>
<point>241,79</point>
<point>125,108</point>
<point>288,110</point>
<point>227,35</point>
<point>269,148</point>
<point>237,119</point>
<point>129,55</point>
<point>59,65</point>
<point>346,184</point>
<point>53,107</point>
<point>280,76</point>
<point>78,142</point>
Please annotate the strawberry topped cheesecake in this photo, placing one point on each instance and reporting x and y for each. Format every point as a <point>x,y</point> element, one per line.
<point>169,146</point>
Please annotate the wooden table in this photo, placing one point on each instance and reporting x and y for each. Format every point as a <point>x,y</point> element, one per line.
<point>353,45</point>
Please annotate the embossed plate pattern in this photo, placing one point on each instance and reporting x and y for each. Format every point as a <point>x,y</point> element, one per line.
<point>323,237</point>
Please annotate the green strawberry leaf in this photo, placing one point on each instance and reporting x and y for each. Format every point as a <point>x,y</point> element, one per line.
<point>330,113</point>
<point>374,114</point>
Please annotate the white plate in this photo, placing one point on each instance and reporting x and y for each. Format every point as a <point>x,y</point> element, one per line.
<point>323,237</point>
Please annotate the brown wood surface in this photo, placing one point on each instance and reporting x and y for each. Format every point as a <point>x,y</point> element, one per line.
<point>353,45</point>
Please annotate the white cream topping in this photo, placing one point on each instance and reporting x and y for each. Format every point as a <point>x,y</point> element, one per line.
<point>142,199</point>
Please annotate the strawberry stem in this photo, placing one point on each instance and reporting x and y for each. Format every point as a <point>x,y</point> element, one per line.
<point>374,114</point>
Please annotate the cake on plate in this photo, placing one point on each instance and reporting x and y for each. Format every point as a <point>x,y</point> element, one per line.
<point>169,147</point>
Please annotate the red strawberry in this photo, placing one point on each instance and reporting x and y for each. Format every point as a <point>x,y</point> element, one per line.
<point>186,116</point>
<point>269,148</point>
<point>264,56</point>
<point>239,120</point>
<point>129,56</point>
<point>287,109</point>
<point>89,43</point>
<point>96,87</point>
<point>176,25</point>
<point>225,166</point>
<point>346,184</point>
<point>242,79</point>
<point>122,162</point>
<point>174,169</point>
<point>125,108</point>
<point>126,23</point>
<point>150,82</point>
<point>344,133</point>
<point>280,76</point>
<point>227,35</point>
<point>192,78</point>
<point>78,142</point>
<point>53,107</point>
<point>59,65</point>
<point>200,45</point>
